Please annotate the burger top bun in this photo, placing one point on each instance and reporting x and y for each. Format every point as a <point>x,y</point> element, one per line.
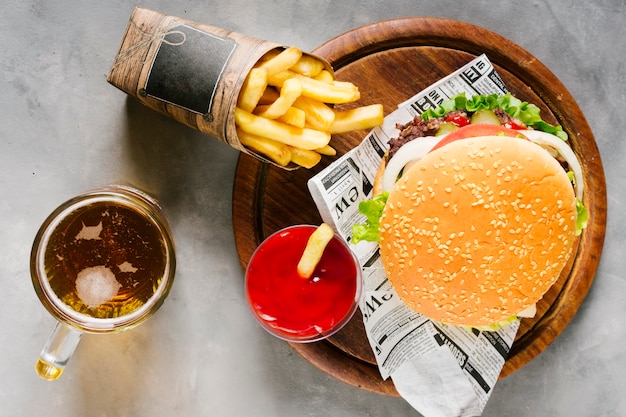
<point>478,230</point>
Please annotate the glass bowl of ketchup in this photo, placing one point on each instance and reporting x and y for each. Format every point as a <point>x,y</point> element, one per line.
<point>299,309</point>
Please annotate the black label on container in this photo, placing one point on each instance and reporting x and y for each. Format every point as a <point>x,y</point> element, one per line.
<point>187,68</point>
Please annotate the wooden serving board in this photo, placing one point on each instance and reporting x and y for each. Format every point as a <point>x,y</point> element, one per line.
<point>390,61</point>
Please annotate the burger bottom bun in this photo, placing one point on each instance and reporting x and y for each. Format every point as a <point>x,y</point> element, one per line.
<point>478,230</point>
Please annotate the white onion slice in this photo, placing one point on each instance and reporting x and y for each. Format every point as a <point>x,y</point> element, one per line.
<point>528,312</point>
<point>409,152</point>
<point>543,138</point>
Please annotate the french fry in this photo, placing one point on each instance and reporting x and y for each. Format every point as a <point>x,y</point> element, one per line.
<point>276,151</point>
<point>325,77</point>
<point>327,150</point>
<point>282,61</point>
<point>284,110</point>
<point>314,250</point>
<point>308,66</point>
<point>252,89</point>
<point>318,115</point>
<point>336,93</point>
<point>304,158</point>
<point>303,138</point>
<point>294,117</point>
<point>344,84</point>
<point>290,91</point>
<point>358,118</point>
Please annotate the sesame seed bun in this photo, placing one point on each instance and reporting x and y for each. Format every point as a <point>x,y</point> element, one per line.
<point>478,230</point>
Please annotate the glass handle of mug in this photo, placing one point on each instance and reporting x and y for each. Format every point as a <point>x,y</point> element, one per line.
<point>57,351</point>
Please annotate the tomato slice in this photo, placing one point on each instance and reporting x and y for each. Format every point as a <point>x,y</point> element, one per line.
<point>476,130</point>
<point>459,121</point>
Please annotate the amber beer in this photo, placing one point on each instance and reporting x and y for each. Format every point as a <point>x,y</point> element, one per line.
<point>101,262</point>
<point>105,259</point>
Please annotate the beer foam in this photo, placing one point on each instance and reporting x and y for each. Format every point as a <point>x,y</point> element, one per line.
<point>127,267</point>
<point>96,285</point>
<point>90,232</point>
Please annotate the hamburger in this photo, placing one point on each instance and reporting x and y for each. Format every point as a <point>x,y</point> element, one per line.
<point>476,210</point>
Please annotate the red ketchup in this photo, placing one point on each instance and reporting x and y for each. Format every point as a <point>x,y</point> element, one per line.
<point>298,309</point>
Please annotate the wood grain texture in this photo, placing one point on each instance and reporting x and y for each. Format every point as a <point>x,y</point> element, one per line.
<point>390,61</point>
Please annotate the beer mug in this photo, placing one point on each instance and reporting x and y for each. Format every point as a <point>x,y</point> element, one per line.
<point>102,262</point>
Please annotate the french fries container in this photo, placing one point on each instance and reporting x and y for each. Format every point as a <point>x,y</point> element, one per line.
<point>188,71</point>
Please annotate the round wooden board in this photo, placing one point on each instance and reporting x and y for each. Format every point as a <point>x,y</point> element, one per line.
<point>390,61</point>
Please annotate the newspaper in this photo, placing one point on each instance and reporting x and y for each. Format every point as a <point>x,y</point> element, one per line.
<point>440,370</point>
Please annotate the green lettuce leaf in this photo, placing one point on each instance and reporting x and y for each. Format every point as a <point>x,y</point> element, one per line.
<point>373,210</point>
<point>526,112</point>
